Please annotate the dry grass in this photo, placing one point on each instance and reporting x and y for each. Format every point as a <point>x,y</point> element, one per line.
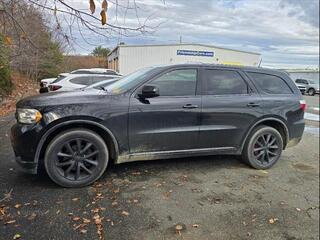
<point>23,87</point>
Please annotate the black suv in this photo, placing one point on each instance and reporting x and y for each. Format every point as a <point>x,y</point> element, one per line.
<point>156,113</point>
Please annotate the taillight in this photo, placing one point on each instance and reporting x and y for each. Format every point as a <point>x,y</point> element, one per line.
<point>303,105</point>
<point>54,87</point>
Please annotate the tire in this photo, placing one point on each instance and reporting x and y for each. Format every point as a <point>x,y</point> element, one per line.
<point>76,158</point>
<point>311,92</point>
<point>257,153</point>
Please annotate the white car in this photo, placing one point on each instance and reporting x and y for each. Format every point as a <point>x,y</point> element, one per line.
<point>76,81</point>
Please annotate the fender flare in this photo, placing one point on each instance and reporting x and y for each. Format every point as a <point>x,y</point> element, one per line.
<point>62,124</point>
<point>261,121</point>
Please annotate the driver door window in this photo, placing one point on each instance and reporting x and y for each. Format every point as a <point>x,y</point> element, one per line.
<point>181,82</point>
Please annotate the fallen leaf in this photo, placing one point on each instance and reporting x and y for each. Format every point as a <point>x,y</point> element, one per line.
<point>195,225</point>
<point>83,231</point>
<point>85,220</point>
<point>114,204</point>
<point>273,220</point>
<point>17,205</point>
<point>75,199</point>
<point>76,219</point>
<point>16,236</point>
<point>125,213</point>
<point>116,190</point>
<point>263,171</point>
<point>32,216</point>
<point>298,209</point>
<point>10,222</point>
<point>135,200</point>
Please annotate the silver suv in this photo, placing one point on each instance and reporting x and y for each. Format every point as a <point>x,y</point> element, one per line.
<point>311,87</point>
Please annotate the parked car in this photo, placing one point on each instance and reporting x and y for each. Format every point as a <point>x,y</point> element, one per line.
<point>302,88</point>
<point>96,71</point>
<point>311,87</point>
<point>156,113</point>
<point>77,81</point>
<point>44,83</point>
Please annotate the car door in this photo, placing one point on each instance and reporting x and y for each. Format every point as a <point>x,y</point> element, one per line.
<point>169,122</point>
<point>230,105</point>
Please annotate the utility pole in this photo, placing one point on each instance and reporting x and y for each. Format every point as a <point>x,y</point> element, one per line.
<point>180,39</point>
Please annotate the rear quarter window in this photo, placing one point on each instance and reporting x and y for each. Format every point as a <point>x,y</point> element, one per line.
<point>270,84</point>
<point>81,80</point>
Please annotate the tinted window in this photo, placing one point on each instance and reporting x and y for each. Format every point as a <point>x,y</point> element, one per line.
<point>299,81</point>
<point>223,82</point>
<point>177,83</point>
<point>81,80</point>
<point>270,84</point>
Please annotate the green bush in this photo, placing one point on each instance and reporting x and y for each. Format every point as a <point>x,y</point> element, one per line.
<point>5,82</point>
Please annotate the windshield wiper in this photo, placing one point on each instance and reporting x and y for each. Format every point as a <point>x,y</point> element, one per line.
<point>102,88</point>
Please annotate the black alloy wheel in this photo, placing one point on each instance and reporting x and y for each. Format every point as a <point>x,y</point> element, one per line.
<point>263,147</point>
<point>76,158</point>
<point>266,148</point>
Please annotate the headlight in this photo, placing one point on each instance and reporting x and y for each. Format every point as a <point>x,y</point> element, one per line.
<point>28,116</point>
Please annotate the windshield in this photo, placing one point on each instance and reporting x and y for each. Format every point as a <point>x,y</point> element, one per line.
<point>126,83</point>
<point>59,78</point>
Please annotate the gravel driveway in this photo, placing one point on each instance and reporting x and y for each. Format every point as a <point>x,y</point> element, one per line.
<point>195,198</point>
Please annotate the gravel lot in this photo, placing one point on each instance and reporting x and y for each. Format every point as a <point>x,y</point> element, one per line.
<point>209,197</point>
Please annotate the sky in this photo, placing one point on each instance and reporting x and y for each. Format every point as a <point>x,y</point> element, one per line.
<point>285,32</point>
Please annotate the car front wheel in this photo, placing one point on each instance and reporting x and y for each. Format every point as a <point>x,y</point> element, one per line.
<point>263,147</point>
<point>311,92</point>
<point>76,158</point>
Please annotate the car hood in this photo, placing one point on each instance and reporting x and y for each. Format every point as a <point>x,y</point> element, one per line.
<point>63,98</point>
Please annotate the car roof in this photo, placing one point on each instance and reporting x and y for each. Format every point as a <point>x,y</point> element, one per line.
<point>244,68</point>
<point>94,69</point>
<point>89,75</point>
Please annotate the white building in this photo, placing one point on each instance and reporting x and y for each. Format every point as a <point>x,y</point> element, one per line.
<point>128,58</point>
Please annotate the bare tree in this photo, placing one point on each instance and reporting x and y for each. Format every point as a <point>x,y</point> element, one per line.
<point>25,24</point>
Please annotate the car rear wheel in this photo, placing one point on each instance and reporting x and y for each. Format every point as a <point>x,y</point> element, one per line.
<point>76,158</point>
<point>263,147</point>
<point>311,92</point>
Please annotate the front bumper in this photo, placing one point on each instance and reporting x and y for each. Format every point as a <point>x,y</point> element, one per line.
<point>28,167</point>
<point>24,139</point>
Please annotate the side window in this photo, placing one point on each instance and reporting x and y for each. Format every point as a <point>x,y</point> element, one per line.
<point>270,84</point>
<point>81,80</point>
<point>224,82</point>
<point>177,83</point>
<point>305,82</point>
<point>299,81</point>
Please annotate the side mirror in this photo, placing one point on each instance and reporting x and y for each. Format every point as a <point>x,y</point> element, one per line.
<point>149,92</point>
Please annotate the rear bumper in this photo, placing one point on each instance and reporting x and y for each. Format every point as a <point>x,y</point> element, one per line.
<point>293,142</point>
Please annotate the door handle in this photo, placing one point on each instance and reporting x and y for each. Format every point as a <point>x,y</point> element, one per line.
<point>252,104</point>
<point>189,106</point>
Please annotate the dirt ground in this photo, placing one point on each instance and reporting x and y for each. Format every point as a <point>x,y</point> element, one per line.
<point>208,198</point>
